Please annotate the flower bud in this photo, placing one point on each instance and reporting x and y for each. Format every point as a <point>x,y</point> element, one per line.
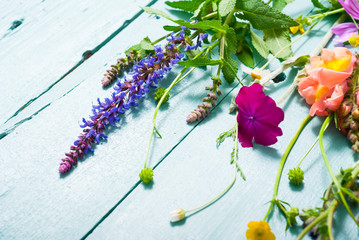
<point>146,175</point>
<point>355,113</point>
<point>354,125</point>
<point>296,176</point>
<point>352,137</point>
<point>344,108</point>
<point>177,215</point>
<point>159,93</point>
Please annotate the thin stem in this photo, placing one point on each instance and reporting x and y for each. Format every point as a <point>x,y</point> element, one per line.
<point>235,164</point>
<point>331,211</point>
<point>219,195</point>
<point>156,110</point>
<point>322,15</point>
<point>283,160</point>
<point>334,179</point>
<point>310,149</point>
<point>287,46</point>
<point>209,15</point>
<point>355,23</point>
<point>174,82</point>
<point>312,224</point>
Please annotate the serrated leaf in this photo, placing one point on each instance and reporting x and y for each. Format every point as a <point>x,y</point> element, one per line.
<point>231,41</point>
<point>197,12</point>
<point>146,44</point>
<point>245,55</point>
<point>201,61</point>
<point>276,39</point>
<point>226,6</point>
<point>229,69</point>
<point>263,16</point>
<point>317,4</point>
<point>259,45</point>
<point>214,25</point>
<point>279,4</point>
<point>188,6</point>
<point>150,10</point>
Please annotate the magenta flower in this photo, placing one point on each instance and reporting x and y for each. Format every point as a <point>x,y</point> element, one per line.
<point>344,31</point>
<point>351,7</point>
<point>258,117</point>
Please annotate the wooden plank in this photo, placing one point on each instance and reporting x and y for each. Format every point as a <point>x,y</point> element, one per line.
<point>32,193</point>
<point>196,171</point>
<point>51,41</point>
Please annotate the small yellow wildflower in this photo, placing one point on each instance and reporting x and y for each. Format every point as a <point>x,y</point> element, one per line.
<point>354,40</point>
<point>259,231</point>
<point>295,29</point>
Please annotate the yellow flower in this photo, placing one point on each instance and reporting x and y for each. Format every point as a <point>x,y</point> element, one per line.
<point>295,29</point>
<point>259,231</point>
<point>354,40</point>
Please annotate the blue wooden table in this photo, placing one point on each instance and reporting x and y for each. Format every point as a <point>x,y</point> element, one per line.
<point>53,55</point>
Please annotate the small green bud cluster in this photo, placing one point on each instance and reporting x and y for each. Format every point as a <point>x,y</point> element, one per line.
<point>159,93</point>
<point>296,176</point>
<point>146,175</point>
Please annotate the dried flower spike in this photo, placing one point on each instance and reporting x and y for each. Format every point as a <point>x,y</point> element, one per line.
<point>115,71</point>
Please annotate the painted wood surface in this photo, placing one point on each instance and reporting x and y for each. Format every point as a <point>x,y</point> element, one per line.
<point>102,197</point>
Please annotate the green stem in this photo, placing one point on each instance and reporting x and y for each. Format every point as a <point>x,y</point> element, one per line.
<point>282,162</point>
<point>312,224</point>
<point>322,15</point>
<point>174,82</point>
<point>334,179</point>
<point>309,150</point>
<point>209,15</point>
<point>331,211</point>
<point>355,23</point>
<point>219,195</point>
<point>235,164</point>
<point>287,46</point>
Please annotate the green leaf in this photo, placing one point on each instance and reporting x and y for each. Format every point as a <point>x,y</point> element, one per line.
<point>317,4</point>
<point>192,53</point>
<point>150,10</point>
<point>136,47</point>
<point>276,39</point>
<point>146,44</point>
<point>262,16</point>
<point>230,69</point>
<point>259,45</point>
<point>188,6</point>
<point>172,28</point>
<point>296,61</point>
<point>201,61</point>
<point>231,41</point>
<point>245,54</point>
<point>214,25</point>
<point>226,6</point>
<point>279,4</point>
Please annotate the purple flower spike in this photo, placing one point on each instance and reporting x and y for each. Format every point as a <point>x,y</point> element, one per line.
<point>258,117</point>
<point>351,7</point>
<point>344,31</point>
<point>145,75</point>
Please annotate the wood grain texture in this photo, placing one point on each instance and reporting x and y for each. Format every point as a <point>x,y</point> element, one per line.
<point>36,203</point>
<point>49,43</point>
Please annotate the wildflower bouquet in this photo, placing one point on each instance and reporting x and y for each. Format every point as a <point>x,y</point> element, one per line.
<point>227,35</point>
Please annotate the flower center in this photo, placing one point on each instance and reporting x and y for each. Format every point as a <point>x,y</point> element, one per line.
<point>251,118</point>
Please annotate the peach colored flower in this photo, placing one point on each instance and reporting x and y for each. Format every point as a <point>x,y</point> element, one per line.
<point>326,81</point>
